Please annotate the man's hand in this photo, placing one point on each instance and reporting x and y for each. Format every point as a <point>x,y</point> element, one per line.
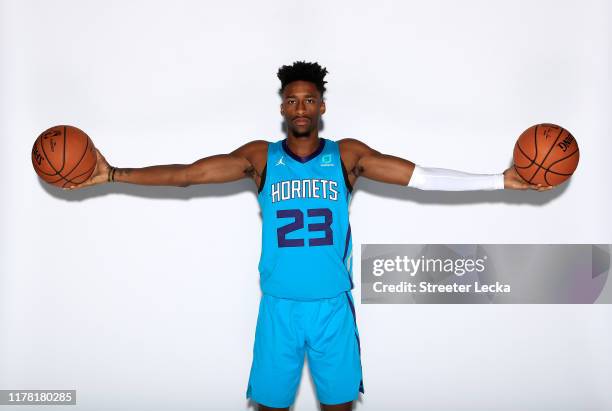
<point>99,175</point>
<point>513,181</point>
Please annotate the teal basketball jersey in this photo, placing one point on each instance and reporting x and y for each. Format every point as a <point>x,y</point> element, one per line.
<point>306,236</point>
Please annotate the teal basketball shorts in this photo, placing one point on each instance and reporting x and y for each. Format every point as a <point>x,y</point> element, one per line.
<point>325,330</point>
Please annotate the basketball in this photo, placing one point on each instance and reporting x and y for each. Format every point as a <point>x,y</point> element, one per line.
<point>63,156</point>
<point>546,154</point>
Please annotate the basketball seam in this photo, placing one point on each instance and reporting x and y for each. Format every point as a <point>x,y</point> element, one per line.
<point>39,141</point>
<point>67,174</point>
<point>555,162</point>
<point>57,172</point>
<point>525,154</point>
<point>546,156</point>
<point>561,159</point>
<point>548,170</point>
<point>75,177</point>
<point>71,180</point>
<point>535,145</point>
<point>81,159</point>
<point>36,165</point>
<point>535,142</point>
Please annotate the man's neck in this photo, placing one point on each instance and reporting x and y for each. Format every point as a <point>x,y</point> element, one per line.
<point>303,146</point>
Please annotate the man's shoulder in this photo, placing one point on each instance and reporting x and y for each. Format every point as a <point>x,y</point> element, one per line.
<point>352,146</point>
<point>255,152</point>
<point>253,147</point>
<point>258,144</point>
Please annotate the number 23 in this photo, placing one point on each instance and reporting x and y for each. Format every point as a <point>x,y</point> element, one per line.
<point>298,223</point>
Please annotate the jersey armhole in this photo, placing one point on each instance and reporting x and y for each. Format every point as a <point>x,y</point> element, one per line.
<point>262,181</point>
<point>346,179</point>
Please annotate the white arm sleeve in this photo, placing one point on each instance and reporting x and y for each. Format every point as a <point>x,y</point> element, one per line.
<point>451,180</point>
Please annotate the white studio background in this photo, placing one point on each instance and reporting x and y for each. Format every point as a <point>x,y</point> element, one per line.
<point>146,297</point>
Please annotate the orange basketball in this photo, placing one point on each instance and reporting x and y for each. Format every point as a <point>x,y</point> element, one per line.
<point>546,154</point>
<point>63,156</point>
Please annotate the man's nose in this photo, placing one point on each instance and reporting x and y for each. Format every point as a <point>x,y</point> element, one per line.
<point>301,108</point>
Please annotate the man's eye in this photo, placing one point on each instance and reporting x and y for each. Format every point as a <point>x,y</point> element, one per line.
<point>310,100</point>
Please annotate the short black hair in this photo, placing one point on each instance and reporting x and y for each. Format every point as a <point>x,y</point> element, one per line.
<point>301,70</point>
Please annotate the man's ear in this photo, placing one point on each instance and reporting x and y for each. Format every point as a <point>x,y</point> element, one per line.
<point>282,110</point>
<point>322,108</point>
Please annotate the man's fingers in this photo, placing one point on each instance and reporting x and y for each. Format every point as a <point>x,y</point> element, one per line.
<point>545,188</point>
<point>540,187</point>
<point>77,186</point>
<point>522,185</point>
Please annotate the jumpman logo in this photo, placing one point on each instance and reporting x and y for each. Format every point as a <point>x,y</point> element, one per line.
<point>280,162</point>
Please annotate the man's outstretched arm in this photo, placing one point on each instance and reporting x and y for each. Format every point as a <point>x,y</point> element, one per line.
<point>361,160</point>
<point>246,161</point>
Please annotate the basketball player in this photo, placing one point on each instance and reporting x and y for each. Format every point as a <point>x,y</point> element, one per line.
<point>304,185</point>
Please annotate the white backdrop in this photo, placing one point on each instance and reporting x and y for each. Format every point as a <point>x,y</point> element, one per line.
<point>146,297</point>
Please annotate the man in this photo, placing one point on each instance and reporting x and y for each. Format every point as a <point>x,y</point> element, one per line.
<point>304,189</point>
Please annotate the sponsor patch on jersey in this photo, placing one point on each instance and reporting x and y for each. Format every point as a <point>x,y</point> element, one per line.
<point>326,161</point>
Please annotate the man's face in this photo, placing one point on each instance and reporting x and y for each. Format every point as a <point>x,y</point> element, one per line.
<point>302,107</point>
